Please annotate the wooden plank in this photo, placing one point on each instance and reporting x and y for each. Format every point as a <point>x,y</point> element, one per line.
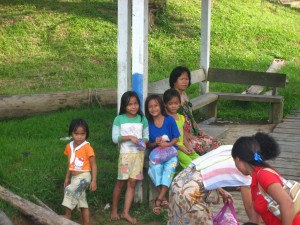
<point>203,100</point>
<point>291,119</point>
<point>248,97</point>
<point>286,130</point>
<point>288,125</point>
<point>159,87</point>
<point>246,77</point>
<point>283,143</point>
<point>294,136</point>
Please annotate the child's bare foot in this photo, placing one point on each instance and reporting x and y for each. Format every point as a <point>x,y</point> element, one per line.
<point>114,216</point>
<point>129,219</point>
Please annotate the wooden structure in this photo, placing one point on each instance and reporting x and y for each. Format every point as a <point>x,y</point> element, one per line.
<point>208,102</point>
<point>133,46</point>
<point>287,135</point>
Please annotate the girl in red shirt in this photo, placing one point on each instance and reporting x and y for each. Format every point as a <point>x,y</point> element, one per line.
<point>250,154</point>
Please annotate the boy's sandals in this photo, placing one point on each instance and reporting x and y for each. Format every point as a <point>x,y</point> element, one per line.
<point>157,207</point>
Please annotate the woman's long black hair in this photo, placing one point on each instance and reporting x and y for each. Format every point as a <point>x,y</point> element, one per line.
<point>250,148</point>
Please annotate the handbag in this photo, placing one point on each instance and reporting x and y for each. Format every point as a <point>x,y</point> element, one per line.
<point>225,218</point>
<point>291,187</point>
<point>160,155</point>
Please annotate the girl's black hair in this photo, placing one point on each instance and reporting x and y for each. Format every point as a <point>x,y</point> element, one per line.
<point>261,143</point>
<point>169,94</point>
<point>161,105</point>
<point>75,123</point>
<point>177,72</point>
<point>125,101</point>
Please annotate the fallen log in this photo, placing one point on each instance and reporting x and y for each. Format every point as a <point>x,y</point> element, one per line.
<point>4,220</point>
<point>38,214</point>
<point>36,104</point>
<point>42,203</point>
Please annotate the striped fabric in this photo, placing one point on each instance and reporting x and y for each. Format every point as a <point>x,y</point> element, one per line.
<point>218,169</point>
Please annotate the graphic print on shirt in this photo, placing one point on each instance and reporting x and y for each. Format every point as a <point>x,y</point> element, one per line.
<point>78,163</point>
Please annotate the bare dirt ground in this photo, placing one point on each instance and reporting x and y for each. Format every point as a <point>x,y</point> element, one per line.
<point>234,131</point>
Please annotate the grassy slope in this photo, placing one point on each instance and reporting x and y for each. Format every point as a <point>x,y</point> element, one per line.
<point>50,46</point>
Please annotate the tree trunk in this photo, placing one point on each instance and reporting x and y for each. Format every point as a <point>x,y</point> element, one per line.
<point>37,213</point>
<point>35,104</point>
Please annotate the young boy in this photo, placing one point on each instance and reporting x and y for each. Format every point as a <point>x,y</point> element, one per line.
<point>81,159</point>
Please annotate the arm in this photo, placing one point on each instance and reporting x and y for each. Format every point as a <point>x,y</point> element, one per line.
<point>93,185</point>
<point>285,202</point>
<point>165,144</point>
<point>248,205</point>
<point>67,179</point>
<point>227,197</point>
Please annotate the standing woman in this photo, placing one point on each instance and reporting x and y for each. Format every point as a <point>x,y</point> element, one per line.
<point>180,80</point>
<point>250,154</point>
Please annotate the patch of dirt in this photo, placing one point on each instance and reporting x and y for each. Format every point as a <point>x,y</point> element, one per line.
<point>236,130</point>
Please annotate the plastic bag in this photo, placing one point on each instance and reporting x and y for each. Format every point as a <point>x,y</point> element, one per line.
<point>225,218</point>
<point>160,155</point>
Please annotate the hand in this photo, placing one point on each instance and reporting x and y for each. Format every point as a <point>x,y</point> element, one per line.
<point>201,133</point>
<point>67,182</point>
<point>164,144</point>
<point>227,197</point>
<point>93,186</point>
<point>158,140</point>
<point>134,139</point>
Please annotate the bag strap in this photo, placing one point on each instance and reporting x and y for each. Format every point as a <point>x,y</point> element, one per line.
<point>220,214</point>
<point>231,207</point>
<point>267,197</point>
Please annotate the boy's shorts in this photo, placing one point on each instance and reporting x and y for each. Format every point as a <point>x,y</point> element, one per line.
<point>131,166</point>
<point>75,191</point>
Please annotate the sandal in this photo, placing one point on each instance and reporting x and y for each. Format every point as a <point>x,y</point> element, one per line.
<point>157,207</point>
<point>164,203</point>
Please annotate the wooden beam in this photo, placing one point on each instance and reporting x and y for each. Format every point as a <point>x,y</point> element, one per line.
<point>124,47</point>
<point>205,41</point>
<point>37,213</point>
<point>140,48</point>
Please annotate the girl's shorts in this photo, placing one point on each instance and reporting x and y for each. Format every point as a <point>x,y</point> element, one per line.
<point>131,166</point>
<point>75,191</point>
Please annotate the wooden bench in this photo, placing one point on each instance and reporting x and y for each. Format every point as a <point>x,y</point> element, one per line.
<point>208,103</point>
<point>272,80</point>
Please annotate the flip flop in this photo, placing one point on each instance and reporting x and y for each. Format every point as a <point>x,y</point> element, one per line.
<point>157,209</point>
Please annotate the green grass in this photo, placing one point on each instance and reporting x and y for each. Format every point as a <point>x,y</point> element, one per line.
<point>42,171</point>
<point>52,46</point>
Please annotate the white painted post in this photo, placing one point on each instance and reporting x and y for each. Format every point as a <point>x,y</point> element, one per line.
<point>124,47</point>
<point>140,49</point>
<point>140,66</point>
<point>205,41</point>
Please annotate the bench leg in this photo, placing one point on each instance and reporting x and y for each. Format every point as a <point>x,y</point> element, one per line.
<point>210,110</point>
<point>141,188</point>
<point>276,113</point>
<point>152,193</point>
